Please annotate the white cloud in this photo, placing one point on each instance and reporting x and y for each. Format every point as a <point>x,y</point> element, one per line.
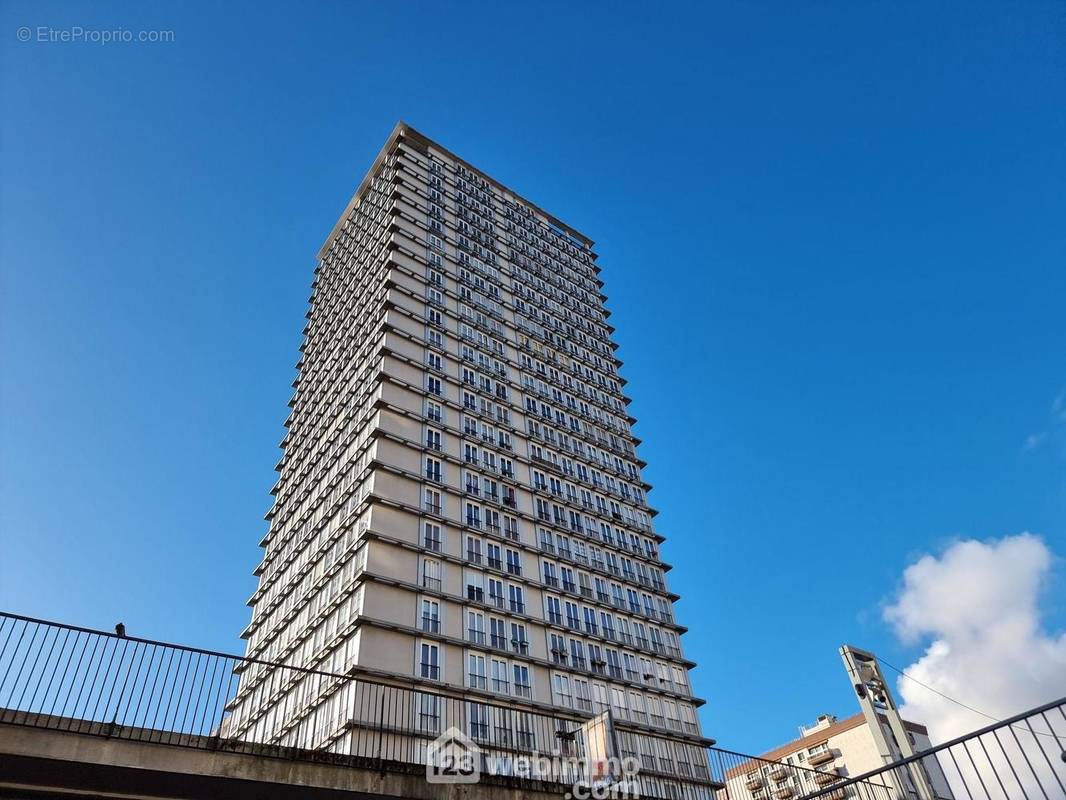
<point>1058,408</point>
<point>977,606</point>
<point>1034,440</point>
<point>1057,427</point>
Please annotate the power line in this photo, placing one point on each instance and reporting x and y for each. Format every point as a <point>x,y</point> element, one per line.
<point>960,703</point>
<point>936,691</point>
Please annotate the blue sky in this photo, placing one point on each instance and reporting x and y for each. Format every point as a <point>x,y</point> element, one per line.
<point>832,237</point>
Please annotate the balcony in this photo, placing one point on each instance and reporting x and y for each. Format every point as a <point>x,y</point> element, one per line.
<point>826,778</point>
<point>784,792</point>
<point>753,781</point>
<point>779,773</point>
<point>824,757</point>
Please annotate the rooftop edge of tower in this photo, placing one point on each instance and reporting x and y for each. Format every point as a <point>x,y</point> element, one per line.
<point>403,131</point>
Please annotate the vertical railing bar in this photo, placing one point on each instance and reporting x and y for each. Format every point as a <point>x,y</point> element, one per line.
<point>121,716</point>
<point>151,674</point>
<point>137,651</point>
<point>213,696</point>
<point>3,624</point>
<point>162,690</point>
<point>4,656</point>
<point>1025,755</point>
<point>269,698</point>
<point>381,721</point>
<point>1040,747</point>
<point>193,725</point>
<point>114,682</point>
<point>962,778</point>
<point>995,772</point>
<point>1051,730</point>
<point>18,677</point>
<point>107,671</point>
<point>1010,766</point>
<point>168,726</point>
<point>14,653</point>
<point>52,672</point>
<point>186,700</point>
<point>63,678</point>
<point>977,772</point>
<point>225,698</point>
<point>81,684</point>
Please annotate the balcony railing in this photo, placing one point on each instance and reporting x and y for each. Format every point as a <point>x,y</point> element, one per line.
<point>1020,757</point>
<point>96,683</point>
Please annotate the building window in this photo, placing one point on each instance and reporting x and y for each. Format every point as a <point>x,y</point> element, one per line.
<point>496,592</point>
<point>476,671</point>
<point>433,472</point>
<point>561,691</point>
<point>473,550</point>
<point>473,515</point>
<point>500,679</point>
<point>517,599</point>
<point>478,716</point>
<point>430,663</point>
<point>431,574</point>
<point>433,502</point>
<point>430,616</point>
<point>519,641</point>
<point>431,537</point>
<point>497,633</point>
<point>475,627</point>
<point>434,411</point>
<point>522,687</point>
<point>555,616</point>
<point>514,562</point>
<point>428,706</point>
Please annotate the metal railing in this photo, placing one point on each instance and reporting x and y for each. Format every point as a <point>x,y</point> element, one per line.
<point>85,681</point>
<point>1020,757</point>
<point>746,777</point>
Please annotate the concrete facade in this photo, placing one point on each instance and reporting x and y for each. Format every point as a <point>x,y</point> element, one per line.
<point>460,504</point>
<point>37,762</point>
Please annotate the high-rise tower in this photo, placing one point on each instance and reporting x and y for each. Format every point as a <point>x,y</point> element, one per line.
<point>460,506</point>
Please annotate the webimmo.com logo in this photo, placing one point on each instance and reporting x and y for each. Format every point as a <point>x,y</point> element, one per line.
<point>606,779</point>
<point>453,758</point>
